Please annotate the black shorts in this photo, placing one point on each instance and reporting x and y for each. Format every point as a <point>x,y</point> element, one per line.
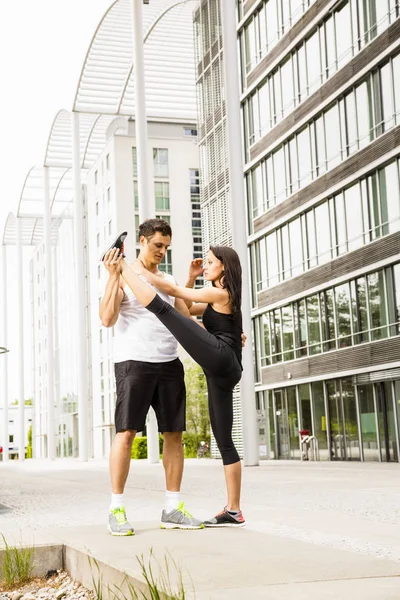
<point>143,384</point>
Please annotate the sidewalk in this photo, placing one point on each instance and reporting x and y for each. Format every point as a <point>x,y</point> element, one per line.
<point>331,530</point>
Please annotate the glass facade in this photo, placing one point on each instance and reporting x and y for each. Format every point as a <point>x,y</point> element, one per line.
<point>269,24</point>
<point>316,58</point>
<point>357,215</point>
<point>360,310</point>
<point>341,419</point>
<point>196,219</point>
<point>353,121</point>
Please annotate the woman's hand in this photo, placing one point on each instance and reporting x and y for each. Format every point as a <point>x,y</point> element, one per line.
<point>196,268</point>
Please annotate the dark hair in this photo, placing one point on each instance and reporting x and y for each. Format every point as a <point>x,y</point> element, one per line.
<point>150,227</point>
<point>232,274</point>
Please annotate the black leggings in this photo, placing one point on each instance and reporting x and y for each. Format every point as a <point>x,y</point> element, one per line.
<point>220,365</point>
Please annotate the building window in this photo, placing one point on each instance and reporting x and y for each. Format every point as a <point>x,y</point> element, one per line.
<point>316,59</point>
<point>166,218</point>
<point>162,195</point>
<point>134,162</point>
<point>136,194</point>
<point>108,162</point>
<point>97,208</point>
<point>354,312</point>
<point>109,227</point>
<point>160,159</point>
<point>95,177</point>
<point>98,240</point>
<point>366,210</point>
<point>320,146</point>
<point>196,219</point>
<point>166,263</point>
<point>190,132</point>
<point>108,195</point>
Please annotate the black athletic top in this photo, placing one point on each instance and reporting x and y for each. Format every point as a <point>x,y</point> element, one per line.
<point>227,328</point>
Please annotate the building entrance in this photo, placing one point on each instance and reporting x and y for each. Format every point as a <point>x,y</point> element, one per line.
<point>378,426</point>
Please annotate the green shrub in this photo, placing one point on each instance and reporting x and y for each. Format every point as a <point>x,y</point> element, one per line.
<point>139,447</point>
<point>29,447</point>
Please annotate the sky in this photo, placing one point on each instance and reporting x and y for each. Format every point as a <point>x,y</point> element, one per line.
<point>43,44</point>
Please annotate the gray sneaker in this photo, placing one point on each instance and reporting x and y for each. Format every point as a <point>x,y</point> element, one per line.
<point>117,523</point>
<point>179,518</point>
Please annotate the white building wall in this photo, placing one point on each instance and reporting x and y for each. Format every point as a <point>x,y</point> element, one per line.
<point>13,426</point>
<point>111,209</point>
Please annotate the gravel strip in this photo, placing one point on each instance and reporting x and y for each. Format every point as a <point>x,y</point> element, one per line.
<point>59,586</point>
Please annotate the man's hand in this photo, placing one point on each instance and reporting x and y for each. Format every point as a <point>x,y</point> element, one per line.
<point>112,262</point>
<point>196,268</point>
<point>244,338</point>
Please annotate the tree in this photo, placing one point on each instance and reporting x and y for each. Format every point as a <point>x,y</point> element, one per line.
<point>197,415</point>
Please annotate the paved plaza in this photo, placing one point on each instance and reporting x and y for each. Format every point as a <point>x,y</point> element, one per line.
<point>328,529</point>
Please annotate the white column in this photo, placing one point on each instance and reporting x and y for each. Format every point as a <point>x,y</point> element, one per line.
<point>20,309</point>
<point>81,354</point>
<point>146,191</point>
<point>51,448</point>
<point>4,342</point>
<point>239,237</point>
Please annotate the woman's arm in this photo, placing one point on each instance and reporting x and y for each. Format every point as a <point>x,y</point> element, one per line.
<point>197,310</point>
<point>209,295</point>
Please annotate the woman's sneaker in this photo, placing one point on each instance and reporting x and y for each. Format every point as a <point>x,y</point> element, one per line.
<point>118,524</point>
<point>226,519</point>
<point>179,518</point>
<point>117,243</point>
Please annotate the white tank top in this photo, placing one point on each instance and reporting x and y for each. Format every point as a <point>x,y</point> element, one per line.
<point>139,335</point>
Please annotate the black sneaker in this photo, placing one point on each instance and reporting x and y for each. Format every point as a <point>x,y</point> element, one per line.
<point>117,243</point>
<point>225,519</point>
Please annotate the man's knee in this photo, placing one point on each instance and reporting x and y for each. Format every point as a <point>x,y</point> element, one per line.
<point>172,438</point>
<point>125,438</point>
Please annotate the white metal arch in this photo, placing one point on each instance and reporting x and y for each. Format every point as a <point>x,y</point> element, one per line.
<point>106,84</point>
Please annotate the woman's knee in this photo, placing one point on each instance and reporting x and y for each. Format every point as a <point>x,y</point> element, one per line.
<point>229,454</point>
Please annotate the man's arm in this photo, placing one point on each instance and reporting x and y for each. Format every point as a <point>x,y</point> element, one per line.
<point>111,302</point>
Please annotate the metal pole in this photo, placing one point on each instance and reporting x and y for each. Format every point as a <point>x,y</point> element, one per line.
<point>51,449</point>
<point>234,134</point>
<point>146,191</point>
<point>20,307</point>
<point>81,353</point>
<point>4,358</point>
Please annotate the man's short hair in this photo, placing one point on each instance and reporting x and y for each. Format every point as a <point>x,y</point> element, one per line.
<point>150,227</point>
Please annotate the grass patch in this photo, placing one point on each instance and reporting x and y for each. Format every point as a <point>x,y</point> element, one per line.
<point>159,588</point>
<point>17,564</point>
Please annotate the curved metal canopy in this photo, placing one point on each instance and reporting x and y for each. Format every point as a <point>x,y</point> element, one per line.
<point>106,84</point>
<point>30,206</point>
<point>105,93</point>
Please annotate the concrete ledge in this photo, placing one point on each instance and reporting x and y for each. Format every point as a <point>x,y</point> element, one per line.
<point>82,567</point>
<point>92,573</point>
<point>45,558</point>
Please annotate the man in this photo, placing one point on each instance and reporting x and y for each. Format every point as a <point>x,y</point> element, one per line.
<point>148,373</point>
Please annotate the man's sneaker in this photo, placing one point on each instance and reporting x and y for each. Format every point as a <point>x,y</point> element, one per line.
<point>117,523</point>
<point>117,243</point>
<point>179,518</point>
<point>225,519</point>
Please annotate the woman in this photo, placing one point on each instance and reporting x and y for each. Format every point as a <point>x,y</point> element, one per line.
<point>217,347</point>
